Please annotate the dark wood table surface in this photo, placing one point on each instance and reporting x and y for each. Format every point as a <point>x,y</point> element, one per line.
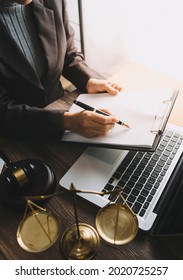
<point>60,157</point>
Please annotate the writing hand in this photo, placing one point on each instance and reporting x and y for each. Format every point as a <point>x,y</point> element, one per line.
<point>88,124</point>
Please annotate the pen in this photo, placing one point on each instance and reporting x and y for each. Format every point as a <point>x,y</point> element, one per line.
<point>89,108</point>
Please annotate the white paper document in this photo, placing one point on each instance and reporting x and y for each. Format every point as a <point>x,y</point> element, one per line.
<point>146,112</point>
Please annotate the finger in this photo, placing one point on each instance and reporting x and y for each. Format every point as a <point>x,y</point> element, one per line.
<point>115,86</point>
<point>114,118</point>
<point>94,124</point>
<point>102,119</point>
<point>110,89</point>
<point>99,130</point>
<point>106,111</point>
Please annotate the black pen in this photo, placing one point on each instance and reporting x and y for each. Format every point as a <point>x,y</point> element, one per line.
<point>89,108</point>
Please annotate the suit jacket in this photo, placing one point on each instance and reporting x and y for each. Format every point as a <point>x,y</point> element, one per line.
<point>23,95</point>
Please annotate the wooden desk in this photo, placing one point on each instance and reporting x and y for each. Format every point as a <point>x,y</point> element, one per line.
<point>60,156</point>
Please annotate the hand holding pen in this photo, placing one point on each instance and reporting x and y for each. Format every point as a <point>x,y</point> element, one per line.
<point>89,108</point>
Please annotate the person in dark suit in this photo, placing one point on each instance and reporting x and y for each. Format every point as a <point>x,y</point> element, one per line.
<point>36,49</point>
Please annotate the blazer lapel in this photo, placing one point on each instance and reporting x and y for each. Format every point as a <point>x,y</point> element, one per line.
<point>9,51</point>
<point>45,24</point>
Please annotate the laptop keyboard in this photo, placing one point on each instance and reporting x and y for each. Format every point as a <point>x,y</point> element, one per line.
<point>140,173</point>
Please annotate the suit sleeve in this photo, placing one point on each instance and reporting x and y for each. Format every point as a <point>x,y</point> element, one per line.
<point>23,121</point>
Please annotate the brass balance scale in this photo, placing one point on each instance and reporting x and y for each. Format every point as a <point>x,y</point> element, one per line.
<point>39,229</point>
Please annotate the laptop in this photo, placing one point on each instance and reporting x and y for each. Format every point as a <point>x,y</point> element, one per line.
<point>151,182</point>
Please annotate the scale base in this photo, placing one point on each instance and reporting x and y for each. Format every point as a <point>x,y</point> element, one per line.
<point>84,248</point>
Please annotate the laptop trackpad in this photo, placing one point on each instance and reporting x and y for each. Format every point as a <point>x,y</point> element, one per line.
<point>108,156</point>
<point>93,168</point>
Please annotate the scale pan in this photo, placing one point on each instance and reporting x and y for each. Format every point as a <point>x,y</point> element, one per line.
<point>116,224</point>
<point>38,231</point>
